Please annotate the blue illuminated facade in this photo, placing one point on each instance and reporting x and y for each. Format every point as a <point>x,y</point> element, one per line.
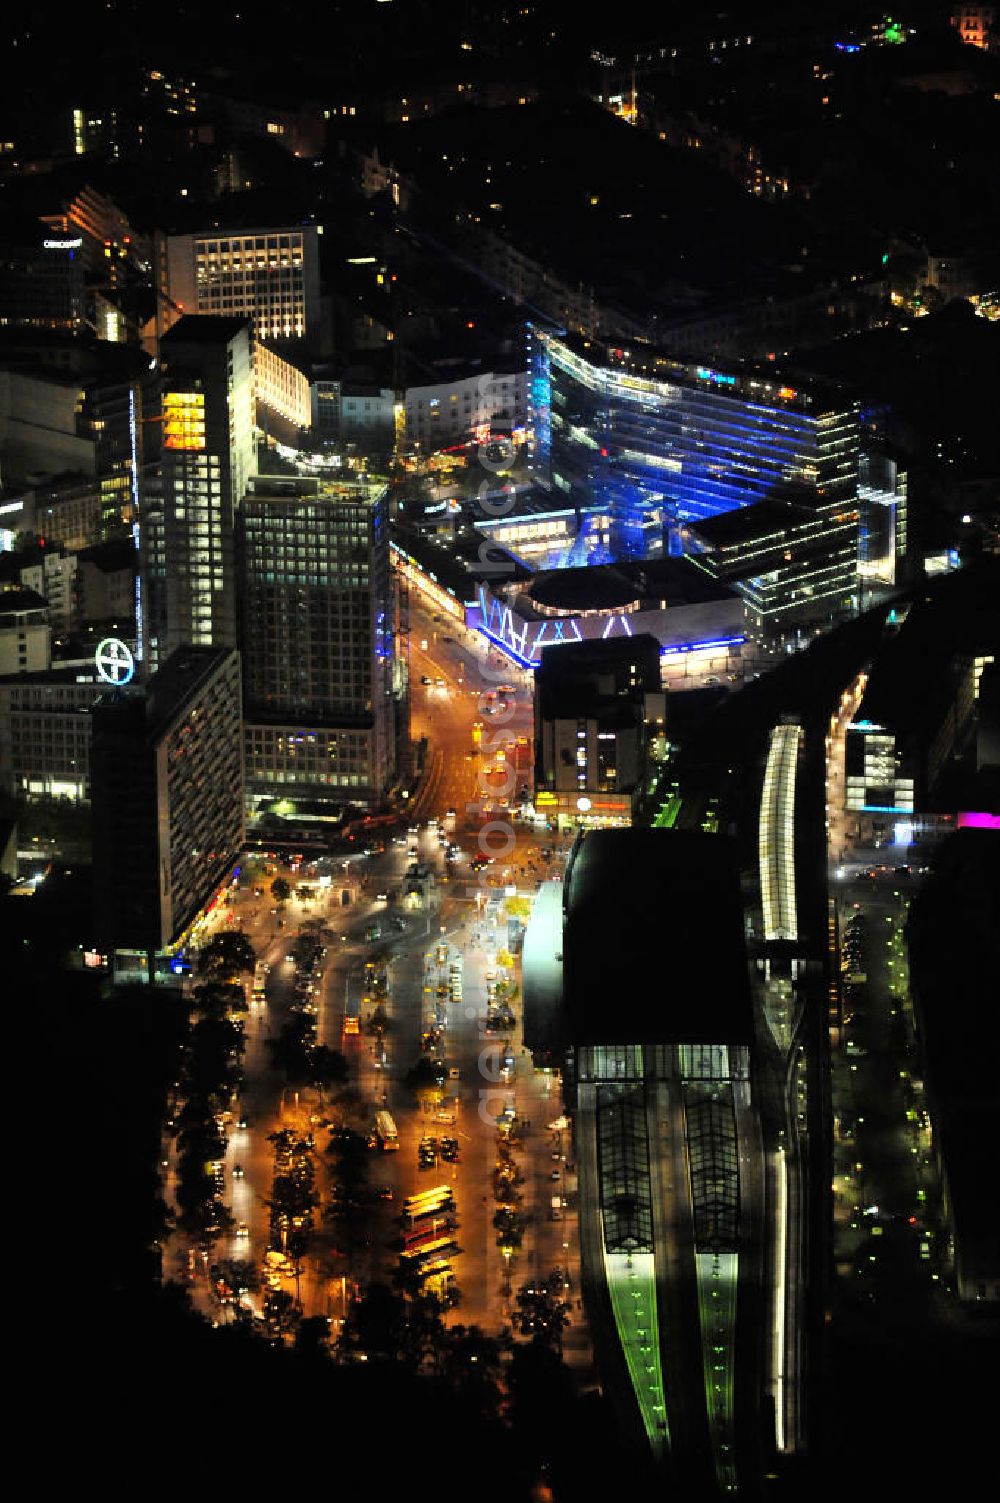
<point>660,445</point>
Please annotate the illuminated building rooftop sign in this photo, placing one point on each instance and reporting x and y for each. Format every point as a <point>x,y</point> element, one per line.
<point>115,664</point>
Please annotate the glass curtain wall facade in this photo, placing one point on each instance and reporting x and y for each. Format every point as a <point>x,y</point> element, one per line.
<point>658,444</point>
<point>882,538</point>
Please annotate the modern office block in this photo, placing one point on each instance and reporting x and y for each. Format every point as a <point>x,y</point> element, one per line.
<point>795,564</point>
<point>316,635</point>
<point>268,275</point>
<point>41,276</point>
<point>882,536</point>
<point>207,457</point>
<point>53,576</point>
<point>45,731</point>
<point>282,395</point>
<point>660,445</point>
<point>913,748</point>
<point>349,414</point>
<point>167,792</point>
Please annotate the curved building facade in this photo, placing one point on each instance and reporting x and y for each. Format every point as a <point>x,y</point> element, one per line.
<point>659,444</point>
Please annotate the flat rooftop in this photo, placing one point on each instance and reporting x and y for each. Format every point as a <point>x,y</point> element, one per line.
<point>653,948</point>
<point>182,677</point>
<point>459,564</point>
<point>760,520</point>
<point>204,328</point>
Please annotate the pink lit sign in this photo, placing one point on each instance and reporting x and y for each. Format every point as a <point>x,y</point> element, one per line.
<point>979,821</point>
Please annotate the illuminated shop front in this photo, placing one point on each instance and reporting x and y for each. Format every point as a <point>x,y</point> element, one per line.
<point>588,811</point>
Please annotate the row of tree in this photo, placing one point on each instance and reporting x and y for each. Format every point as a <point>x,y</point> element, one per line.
<point>212,1077</point>
<point>295,1050</point>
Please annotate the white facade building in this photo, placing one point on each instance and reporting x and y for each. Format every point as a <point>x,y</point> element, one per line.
<point>455,411</point>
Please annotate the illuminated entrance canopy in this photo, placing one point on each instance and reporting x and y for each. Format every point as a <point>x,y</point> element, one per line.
<point>115,664</point>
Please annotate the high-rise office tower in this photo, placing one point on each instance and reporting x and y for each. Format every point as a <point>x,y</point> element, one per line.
<point>41,276</point>
<point>207,457</point>
<point>269,275</point>
<point>167,790</point>
<point>316,636</point>
<point>661,445</point>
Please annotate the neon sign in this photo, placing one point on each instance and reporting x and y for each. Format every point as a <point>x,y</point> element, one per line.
<point>115,664</point>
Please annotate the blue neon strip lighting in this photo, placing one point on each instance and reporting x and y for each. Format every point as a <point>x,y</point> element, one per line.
<point>885,809</point>
<point>667,652</point>
<point>505,647</point>
<point>716,376</point>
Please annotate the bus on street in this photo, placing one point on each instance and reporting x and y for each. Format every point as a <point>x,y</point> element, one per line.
<point>428,1203</point>
<point>434,1249</point>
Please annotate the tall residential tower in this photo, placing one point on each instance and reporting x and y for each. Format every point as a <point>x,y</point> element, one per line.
<point>167,789</point>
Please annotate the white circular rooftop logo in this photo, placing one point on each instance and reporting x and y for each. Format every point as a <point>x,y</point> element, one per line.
<point>115,664</point>
<point>583,804</point>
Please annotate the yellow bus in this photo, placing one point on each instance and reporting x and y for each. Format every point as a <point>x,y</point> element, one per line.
<point>433,1249</point>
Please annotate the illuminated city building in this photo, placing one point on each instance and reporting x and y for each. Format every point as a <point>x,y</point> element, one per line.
<point>343,414</point>
<point>923,739</point>
<point>660,446</point>
<point>794,564</point>
<point>882,509</point>
<point>976,25</point>
<point>474,407</point>
<point>108,237</point>
<point>547,537</point>
<point>53,576</point>
<point>167,792</point>
<point>45,731</point>
<point>81,415</point>
<point>698,622</point>
<point>599,714</point>
<point>68,514</point>
<point>207,457</point>
<point>282,394</point>
<point>269,276</point>
<point>317,632</point>
<point>41,276</point>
